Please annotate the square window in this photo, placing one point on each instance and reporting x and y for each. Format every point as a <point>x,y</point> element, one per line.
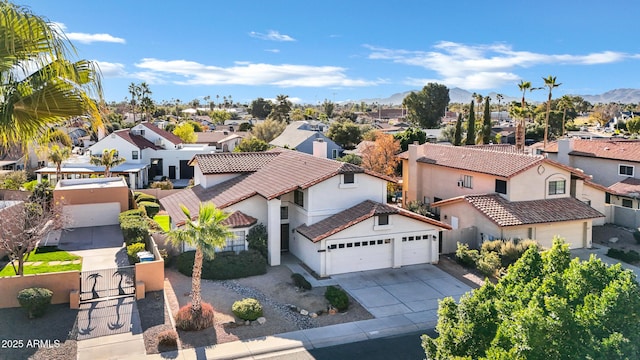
<point>627,203</point>
<point>557,187</point>
<point>349,178</point>
<point>364,243</point>
<point>404,238</point>
<point>501,186</point>
<point>411,238</point>
<point>372,242</point>
<point>340,246</point>
<point>383,219</point>
<point>379,242</point>
<point>356,244</point>
<point>625,170</point>
<point>349,245</point>
<point>134,155</point>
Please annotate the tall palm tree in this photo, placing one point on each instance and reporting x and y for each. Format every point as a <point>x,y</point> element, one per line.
<point>57,155</point>
<point>499,97</point>
<point>524,86</point>
<point>39,85</point>
<point>565,103</point>
<point>549,83</point>
<point>206,233</point>
<point>109,160</point>
<point>145,101</point>
<point>134,90</point>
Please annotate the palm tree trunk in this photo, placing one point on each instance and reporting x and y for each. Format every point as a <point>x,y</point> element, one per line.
<point>196,296</point>
<point>546,122</point>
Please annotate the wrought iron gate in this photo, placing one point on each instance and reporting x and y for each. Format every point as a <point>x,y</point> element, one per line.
<point>107,283</point>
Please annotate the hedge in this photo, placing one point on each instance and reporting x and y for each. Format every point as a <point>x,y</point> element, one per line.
<point>134,229</point>
<point>140,197</point>
<point>133,250</point>
<point>150,207</point>
<point>131,213</point>
<point>225,265</point>
<point>247,309</point>
<point>35,301</point>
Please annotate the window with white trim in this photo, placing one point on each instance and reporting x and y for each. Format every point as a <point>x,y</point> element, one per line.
<point>298,198</point>
<point>348,178</point>
<point>557,187</point>
<point>467,181</point>
<point>134,155</point>
<point>237,243</point>
<point>383,219</point>
<point>625,170</point>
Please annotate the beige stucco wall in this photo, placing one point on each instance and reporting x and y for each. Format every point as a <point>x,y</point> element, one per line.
<point>61,283</point>
<point>93,196</point>
<point>152,274</point>
<point>533,184</point>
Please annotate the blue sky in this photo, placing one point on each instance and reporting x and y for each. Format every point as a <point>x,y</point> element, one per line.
<point>350,50</point>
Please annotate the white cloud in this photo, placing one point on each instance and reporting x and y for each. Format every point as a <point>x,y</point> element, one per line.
<point>482,66</point>
<point>252,74</point>
<point>109,69</point>
<point>86,38</point>
<point>272,35</point>
<point>275,51</point>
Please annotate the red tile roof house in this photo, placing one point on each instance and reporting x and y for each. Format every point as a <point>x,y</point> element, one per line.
<point>614,163</point>
<point>329,214</point>
<point>502,194</point>
<point>151,153</point>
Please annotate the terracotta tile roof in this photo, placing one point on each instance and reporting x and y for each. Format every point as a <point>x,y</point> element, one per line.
<point>508,213</point>
<point>495,160</point>
<point>480,160</point>
<point>354,215</point>
<point>616,149</point>
<point>628,186</point>
<point>164,133</point>
<point>238,219</point>
<point>137,140</point>
<point>268,174</point>
<point>232,162</point>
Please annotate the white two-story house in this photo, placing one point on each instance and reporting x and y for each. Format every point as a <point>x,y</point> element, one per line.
<point>504,195</point>
<point>331,215</point>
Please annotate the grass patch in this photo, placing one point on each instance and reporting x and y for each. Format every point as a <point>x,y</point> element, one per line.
<point>39,269</point>
<point>51,253</point>
<point>164,221</point>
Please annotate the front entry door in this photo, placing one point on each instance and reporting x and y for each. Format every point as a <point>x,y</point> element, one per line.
<point>284,237</point>
<point>172,172</point>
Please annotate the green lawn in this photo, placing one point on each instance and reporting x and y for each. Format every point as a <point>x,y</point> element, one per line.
<point>39,269</point>
<point>164,221</point>
<point>45,254</point>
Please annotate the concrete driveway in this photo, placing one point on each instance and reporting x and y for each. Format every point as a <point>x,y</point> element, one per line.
<point>412,291</point>
<point>101,247</point>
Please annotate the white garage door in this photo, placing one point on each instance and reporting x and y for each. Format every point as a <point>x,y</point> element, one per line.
<point>344,257</point>
<point>573,233</point>
<point>415,249</point>
<point>91,214</point>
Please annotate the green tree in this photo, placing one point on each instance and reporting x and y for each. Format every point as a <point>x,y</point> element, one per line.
<point>633,125</point>
<point>206,233</point>
<point>328,107</point>
<point>197,127</point>
<point>219,116</point>
<point>281,110</point>
<point>251,144</point>
<point>457,136</point>
<point>426,108</point>
<point>146,104</point>
<point>345,133</point>
<point>40,85</point>
<point>549,83</point>
<point>410,136</point>
<point>268,130</point>
<point>134,90</point>
<point>259,108</point>
<point>471,126</point>
<point>547,306</point>
<point>109,160</point>
<point>486,125</point>
<point>185,132</point>
<point>57,155</point>
<point>297,115</point>
<point>565,103</point>
<point>351,159</point>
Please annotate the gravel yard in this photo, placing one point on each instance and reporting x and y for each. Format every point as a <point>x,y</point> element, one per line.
<point>278,296</point>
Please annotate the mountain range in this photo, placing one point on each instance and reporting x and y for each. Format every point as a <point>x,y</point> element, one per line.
<point>457,95</point>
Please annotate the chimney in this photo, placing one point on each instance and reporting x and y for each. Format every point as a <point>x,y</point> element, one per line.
<point>319,148</point>
<point>410,182</point>
<point>565,146</point>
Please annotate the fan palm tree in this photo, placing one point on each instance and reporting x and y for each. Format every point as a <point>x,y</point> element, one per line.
<point>565,103</point>
<point>550,83</point>
<point>57,155</point>
<point>206,233</point>
<point>40,86</point>
<point>109,159</point>
<point>524,86</point>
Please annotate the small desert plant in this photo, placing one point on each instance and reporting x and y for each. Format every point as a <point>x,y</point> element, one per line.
<point>526,244</point>
<point>492,246</point>
<point>337,298</point>
<point>164,185</point>
<point>168,338</point>
<point>509,253</point>
<point>300,281</point>
<point>189,321</point>
<point>488,263</point>
<point>35,301</point>
<point>247,309</point>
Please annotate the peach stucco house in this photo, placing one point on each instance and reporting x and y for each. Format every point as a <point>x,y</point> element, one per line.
<point>502,194</point>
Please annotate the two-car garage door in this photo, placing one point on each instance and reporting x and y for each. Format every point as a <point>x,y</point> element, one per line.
<point>91,214</point>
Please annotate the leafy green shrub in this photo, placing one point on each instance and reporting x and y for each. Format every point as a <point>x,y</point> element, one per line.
<point>151,208</point>
<point>133,250</point>
<point>140,197</point>
<point>247,309</point>
<point>509,253</point>
<point>466,257</point>
<point>300,281</point>
<point>30,185</point>
<point>524,245</point>
<point>257,239</point>
<point>35,301</point>
<point>131,213</point>
<point>629,257</point>
<point>164,185</point>
<point>225,265</point>
<point>134,229</point>
<point>337,298</point>
<point>488,263</point>
<point>492,246</point>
